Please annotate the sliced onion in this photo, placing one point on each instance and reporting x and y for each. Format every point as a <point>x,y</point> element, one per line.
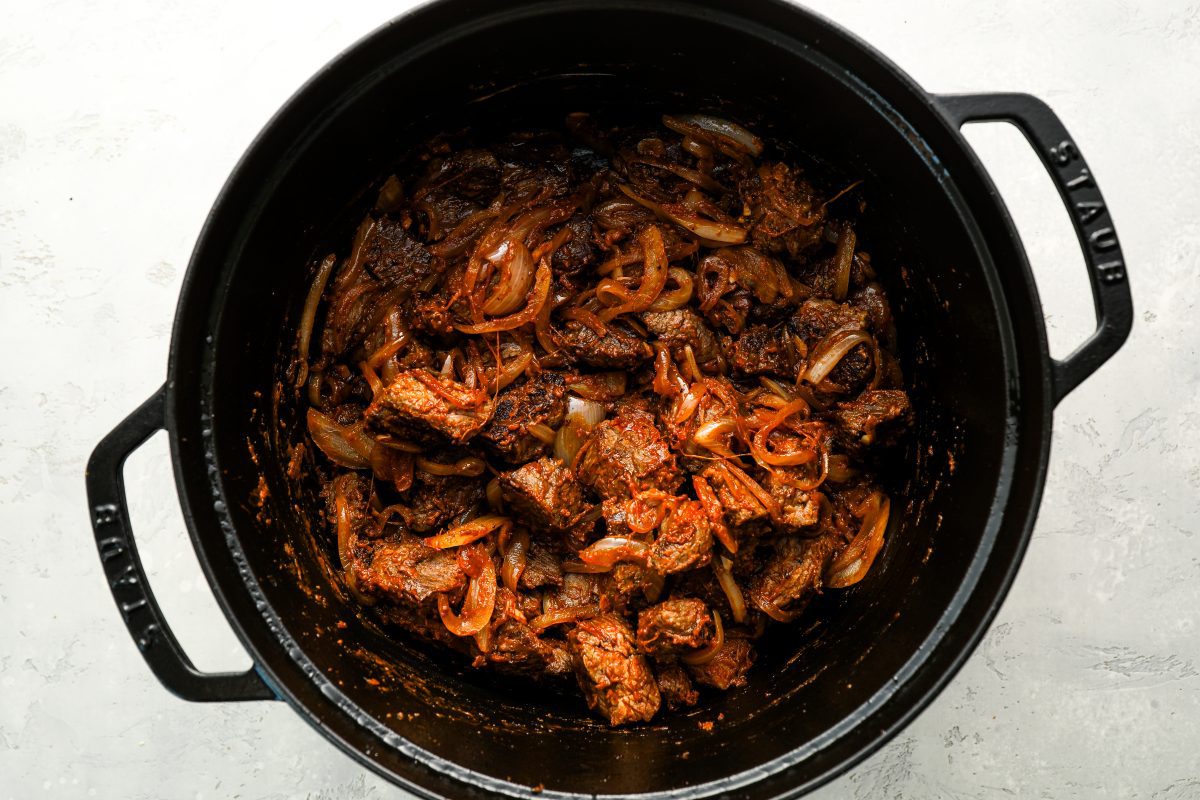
<point>688,402</point>
<point>309,315</point>
<point>480,601</point>
<point>582,415</point>
<point>715,233</point>
<point>608,551</point>
<point>345,534</point>
<point>344,445</point>
<point>542,432</point>
<point>843,261</point>
<point>371,376</point>
<point>714,512</point>
<point>726,132</point>
<point>690,175</point>
<point>715,436</point>
<point>515,266</point>
<point>773,611</point>
<point>654,275</point>
<point>601,386</point>
<point>830,350</point>
<point>840,469</point>
<point>760,445</point>
<point>562,616</point>
<point>495,498</point>
<point>468,467</point>
<point>580,568</point>
<point>853,563</point>
<point>754,487</point>
<point>707,653</point>
<point>468,532</point>
<point>677,297</point>
<point>515,558</point>
<point>536,299</point>
<point>459,240</point>
<point>723,568</point>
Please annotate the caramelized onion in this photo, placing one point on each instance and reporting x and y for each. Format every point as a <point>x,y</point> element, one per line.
<point>608,551</point>
<point>345,534</point>
<point>842,262</point>
<point>707,653</point>
<point>830,350</point>
<point>839,469</point>
<point>480,601</point>
<point>677,297</point>
<point>561,616</point>
<point>760,445</point>
<point>344,445</point>
<point>581,568</point>
<point>309,315</point>
<point>515,266</point>
<point>535,301</point>
<point>714,512</point>
<point>495,498</point>
<point>654,275</point>
<point>582,415</point>
<point>468,467</point>
<point>713,232</point>
<point>542,432</point>
<point>853,563</point>
<point>515,558</point>
<point>468,532</point>
<point>726,132</point>
<point>601,386</point>
<point>723,568</point>
<point>716,435</point>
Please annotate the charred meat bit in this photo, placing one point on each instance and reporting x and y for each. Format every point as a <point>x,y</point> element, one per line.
<point>680,328</point>
<point>438,499</point>
<point>674,627</point>
<point>626,454</point>
<point>760,350</point>
<point>728,667</point>
<point>517,647</point>
<point>428,408</point>
<point>873,415</point>
<point>616,680</point>
<point>395,258</point>
<point>546,495</point>
<point>741,506</point>
<point>537,401</point>
<point>798,508</point>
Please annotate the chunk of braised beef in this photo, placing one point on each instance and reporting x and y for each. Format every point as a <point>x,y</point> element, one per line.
<point>675,686</point>
<point>816,319</point>
<point>437,499</point>
<point>793,574</point>
<point>728,667</point>
<point>403,569</point>
<point>629,586</point>
<point>674,627</point>
<point>877,416</point>
<point>798,508</point>
<point>683,327</point>
<point>684,539</point>
<point>545,494</point>
<point>618,348</point>
<point>395,258</point>
<point>626,454</point>
<point>760,350</point>
<point>785,216</point>
<point>577,252</point>
<point>518,648</point>
<point>542,567</point>
<point>615,679</point>
<point>539,400</point>
<point>872,299</point>
<point>740,505</point>
<point>420,405</point>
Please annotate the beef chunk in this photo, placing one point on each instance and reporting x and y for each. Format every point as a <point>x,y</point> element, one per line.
<point>785,217</point>
<point>437,499</point>
<point>872,299</point>
<point>542,567</point>
<point>760,350</point>
<point>578,589</point>
<point>395,258</point>
<point>684,539</point>
<point>545,494</point>
<point>873,415</point>
<point>728,668</point>
<point>816,319</point>
<point>405,570</point>
<point>675,686</point>
<point>674,626</point>
<point>628,585</point>
<point>628,453</point>
<point>797,508</point>
<point>793,574</point>
<point>740,505</point>
<point>683,327</point>
<point>616,517</point>
<point>615,679</point>
<point>617,349</point>
<point>415,405</point>
<point>578,251</point>
<point>539,400</point>
<point>517,647</point>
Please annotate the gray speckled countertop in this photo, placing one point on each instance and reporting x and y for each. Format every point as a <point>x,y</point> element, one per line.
<point>118,126</point>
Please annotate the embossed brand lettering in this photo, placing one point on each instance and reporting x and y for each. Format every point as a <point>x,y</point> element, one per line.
<point>1064,153</point>
<point>126,577</point>
<point>1111,271</point>
<point>111,547</point>
<point>1088,210</point>
<point>105,514</point>
<point>1084,178</point>
<point>1103,240</point>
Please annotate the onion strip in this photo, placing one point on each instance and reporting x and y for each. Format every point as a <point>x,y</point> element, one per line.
<point>537,298</point>
<point>852,564</point>
<point>608,551</point>
<point>468,532</point>
<point>830,350</point>
<point>707,653</point>
<point>309,315</point>
<point>723,568</point>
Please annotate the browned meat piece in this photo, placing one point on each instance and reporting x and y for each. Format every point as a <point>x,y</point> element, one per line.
<point>628,585</point>
<point>873,415</point>
<point>437,499</point>
<point>578,252</point>
<point>797,508</point>
<point>675,686</point>
<point>395,258</point>
<point>615,679</point>
<point>793,574</point>
<point>578,589</point>
<point>539,400</point>
<point>417,405</point>
<point>518,648</point>
<point>405,570</point>
<point>683,327</point>
<point>618,348</point>
<point>542,568</point>
<point>616,520</point>
<point>728,668</point>
<point>760,350</point>
<point>873,300</point>
<point>684,539</point>
<point>816,319</point>
<point>674,627</point>
<point>545,494</point>
<point>472,173</point>
<point>740,505</point>
<point>625,454</point>
<point>785,216</point>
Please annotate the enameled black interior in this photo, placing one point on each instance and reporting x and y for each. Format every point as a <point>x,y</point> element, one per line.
<point>813,681</point>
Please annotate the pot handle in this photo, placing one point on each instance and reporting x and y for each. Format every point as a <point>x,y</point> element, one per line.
<point>1093,225</point>
<point>127,579</point>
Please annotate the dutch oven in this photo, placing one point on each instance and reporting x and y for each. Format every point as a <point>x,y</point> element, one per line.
<point>973,346</point>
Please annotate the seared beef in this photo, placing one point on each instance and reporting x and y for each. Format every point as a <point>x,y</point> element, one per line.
<point>683,327</point>
<point>760,350</point>
<point>873,415</point>
<point>626,454</point>
<point>793,574</point>
<point>618,348</point>
<point>395,258</point>
<point>518,647</point>
<point>675,686</point>
<point>578,252</point>
<point>615,679</point>
<point>727,668</point>
<point>797,508</point>
<point>417,405</point>
<point>539,400</point>
<point>405,570</point>
<point>545,494</point>
<point>674,627</point>
<point>541,567</point>
<point>740,504</point>
<point>436,500</point>
<point>684,540</point>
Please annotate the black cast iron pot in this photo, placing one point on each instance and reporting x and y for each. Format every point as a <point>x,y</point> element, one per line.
<point>973,345</point>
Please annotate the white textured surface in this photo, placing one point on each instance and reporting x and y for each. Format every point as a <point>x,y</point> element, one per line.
<point>118,126</point>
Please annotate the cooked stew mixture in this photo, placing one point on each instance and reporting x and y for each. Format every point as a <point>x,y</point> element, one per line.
<point>602,404</point>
